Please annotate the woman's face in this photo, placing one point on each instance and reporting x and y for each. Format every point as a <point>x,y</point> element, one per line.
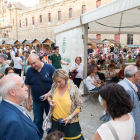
<point>10,71</point>
<point>78,61</point>
<point>60,82</point>
<point>103,62</point>
<point>111,69</point>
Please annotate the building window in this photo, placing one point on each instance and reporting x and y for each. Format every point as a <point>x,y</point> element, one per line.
<point>26,22</point>
<point>98,36</point>
<point>130,39</point>
<point>20,23</point>
<point>83,9</point>
<point>59,15</point>
<point>40,18</point>
<point>33,20</point>
<point>98,3</point>
<point>13,21</point>
<point>70,13</point>
<point>49,17</point>
<point>117,37</point>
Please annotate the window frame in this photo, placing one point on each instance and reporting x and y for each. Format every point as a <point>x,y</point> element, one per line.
<point>49,17</point>
<point>40,17</point>
<point>70,13</point>
<point>83,9</point>
<point>59,15</point>
<point>26,21</point>
<point>33,20</point>
<point>130,39</point>
<point>19,23</point>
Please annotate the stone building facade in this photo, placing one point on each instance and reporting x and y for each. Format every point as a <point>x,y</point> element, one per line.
<point>19,22</point>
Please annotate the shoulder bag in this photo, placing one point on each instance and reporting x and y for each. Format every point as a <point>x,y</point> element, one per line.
<point>72,74</point>
<point>47,123</point>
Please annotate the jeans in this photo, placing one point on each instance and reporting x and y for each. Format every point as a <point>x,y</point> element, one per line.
<point>38,111</point>
<point>96,89</point>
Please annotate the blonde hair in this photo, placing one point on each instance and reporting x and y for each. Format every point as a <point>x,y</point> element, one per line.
<point>59,73</point>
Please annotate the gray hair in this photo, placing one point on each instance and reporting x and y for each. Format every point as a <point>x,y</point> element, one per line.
<point>3,56</point>
<point>130,70</point>
<point>7,84</point>
<point>34,55</point>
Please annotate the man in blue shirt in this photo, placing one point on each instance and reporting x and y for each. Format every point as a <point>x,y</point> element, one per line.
<point>45,72</point>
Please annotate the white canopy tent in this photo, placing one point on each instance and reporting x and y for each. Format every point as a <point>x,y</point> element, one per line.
<point>120,16</point>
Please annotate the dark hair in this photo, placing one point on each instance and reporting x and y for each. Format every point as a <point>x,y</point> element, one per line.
<point>56,47</point>
<point>111,66</point>
<point>7,69</point>
<point>16,55</point>
<point>102,61</point>
<point>40,57</point>
<point>118,101</point>
<point>56,135</point>
<point>24,52</point>
<point>90,71</point>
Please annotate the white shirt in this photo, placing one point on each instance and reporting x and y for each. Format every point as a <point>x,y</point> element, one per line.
<point>124,130</point>
<point>89,82</point>
<point>80,70</point>
<point>32,51</point>
<point>17,65</point>
<point>12,53</point>
<point>105,50</point>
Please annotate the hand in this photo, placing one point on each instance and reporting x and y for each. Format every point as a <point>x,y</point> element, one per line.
<point>136,137</point>
<point>52,104</point>
<point>67,63</point>
<point>45,96</point>
<point>29,107</point>
<point>66,120</point>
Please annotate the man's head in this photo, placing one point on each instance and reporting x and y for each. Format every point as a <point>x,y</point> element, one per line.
<point>93,62</point>
<point>12,88</point>
<point>56,48</point>
<point>3,59</point>
<point>34,61</point>
<point>131,71</point>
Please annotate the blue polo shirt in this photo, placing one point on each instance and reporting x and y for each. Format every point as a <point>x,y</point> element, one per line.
<point>46,77</point>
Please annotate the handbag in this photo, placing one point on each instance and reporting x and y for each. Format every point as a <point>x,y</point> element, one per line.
<point>72,74</point>
<point>47,123</point>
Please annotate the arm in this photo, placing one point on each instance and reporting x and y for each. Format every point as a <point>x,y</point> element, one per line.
<point>96,136</point>
<point>64,63</point>
<point>1,75</point>
<point>50,61</point>
<point>27,101</point>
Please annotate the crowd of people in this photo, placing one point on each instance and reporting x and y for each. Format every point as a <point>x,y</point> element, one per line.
<point>36,77</point>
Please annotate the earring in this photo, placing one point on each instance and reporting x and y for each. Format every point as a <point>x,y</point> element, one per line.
<point>65,82</point>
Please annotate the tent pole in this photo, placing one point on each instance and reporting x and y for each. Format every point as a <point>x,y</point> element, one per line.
<point>85,52</point>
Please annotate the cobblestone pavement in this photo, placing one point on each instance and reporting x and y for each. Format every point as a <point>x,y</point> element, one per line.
<point>89,117</point>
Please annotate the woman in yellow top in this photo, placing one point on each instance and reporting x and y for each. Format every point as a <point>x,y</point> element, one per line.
<point>66,102</point>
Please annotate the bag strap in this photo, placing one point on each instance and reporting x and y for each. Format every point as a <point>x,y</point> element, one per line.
<point>133,134</point>
<point>113,131</point>
<point>40,81</point>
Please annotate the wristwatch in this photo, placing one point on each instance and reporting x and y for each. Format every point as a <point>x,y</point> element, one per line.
<point>70,117</point>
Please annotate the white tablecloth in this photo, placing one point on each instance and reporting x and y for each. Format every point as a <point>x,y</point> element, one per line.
<point>104,71</point>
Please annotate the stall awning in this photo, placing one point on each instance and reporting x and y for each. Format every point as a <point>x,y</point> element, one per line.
<point>95,40</point>
<point>27,41</point>
<point>119,16</point>
<point>111,41</point>
<point>10,42</point>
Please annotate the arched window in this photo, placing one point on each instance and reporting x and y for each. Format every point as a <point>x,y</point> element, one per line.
<point>49,17</point>
<point>70,13</point>
<point>33,20</point>
<point>26,22</point>
<point>83,9</point>
<point>40,18</point>
<point>20,23</point>
<point>59,15</point>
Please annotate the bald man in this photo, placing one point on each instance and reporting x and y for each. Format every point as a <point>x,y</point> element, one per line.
<point>15,124</point>
<point>43,72</point>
